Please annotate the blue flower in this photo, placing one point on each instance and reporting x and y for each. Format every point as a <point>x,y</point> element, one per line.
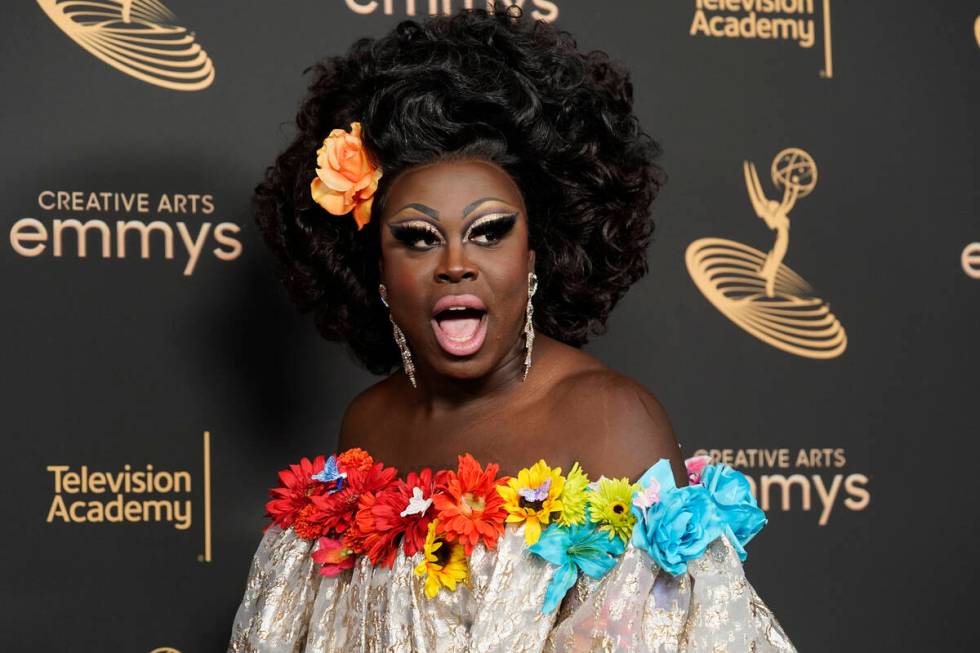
<point>680,525</point>
<point>574,548</point>
<point>732,495</point>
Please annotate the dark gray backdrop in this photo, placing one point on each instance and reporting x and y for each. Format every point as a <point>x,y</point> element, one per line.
<point>128,361</point>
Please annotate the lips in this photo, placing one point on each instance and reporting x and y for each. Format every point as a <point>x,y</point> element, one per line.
<point>459,323</point>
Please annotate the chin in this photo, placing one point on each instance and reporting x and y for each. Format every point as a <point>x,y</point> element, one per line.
<point>473,367</point>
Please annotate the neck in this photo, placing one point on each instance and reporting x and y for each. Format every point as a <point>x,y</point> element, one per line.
<point>437,393</point>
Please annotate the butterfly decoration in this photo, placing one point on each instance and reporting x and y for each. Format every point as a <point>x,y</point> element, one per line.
<point>648,496</point>
<point>417,504</point>
<point>539,493</point>
<point>331,473</point>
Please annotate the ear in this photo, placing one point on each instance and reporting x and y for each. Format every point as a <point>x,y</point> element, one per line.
<point>530,261</point>
<point>381,267</point>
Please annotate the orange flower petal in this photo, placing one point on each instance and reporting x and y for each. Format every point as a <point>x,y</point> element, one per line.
<point>334,180</point>
<point>326,156</point>
<point>351,166</point>
<point>331,202</point>
<point>361,184</point>
<point>362,213</point>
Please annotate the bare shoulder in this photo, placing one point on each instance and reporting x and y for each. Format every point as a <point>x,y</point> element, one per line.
<point>621,427</point>
<point>360,425</point>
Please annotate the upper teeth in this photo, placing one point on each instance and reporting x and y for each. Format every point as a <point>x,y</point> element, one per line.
<point>457,308</point>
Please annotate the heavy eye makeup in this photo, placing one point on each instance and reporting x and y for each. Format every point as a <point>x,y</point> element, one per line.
<point>486,230</point>
<point>417,234</point>
<point>490,229</point>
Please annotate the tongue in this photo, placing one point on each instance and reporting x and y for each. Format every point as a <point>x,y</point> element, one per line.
<point>460,328</point>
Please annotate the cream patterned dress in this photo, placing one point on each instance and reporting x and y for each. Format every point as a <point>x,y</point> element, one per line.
<point>295,604</point>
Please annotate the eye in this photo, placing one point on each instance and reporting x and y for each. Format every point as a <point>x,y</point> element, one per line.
<point>417,235</point>
<point>491,229</point>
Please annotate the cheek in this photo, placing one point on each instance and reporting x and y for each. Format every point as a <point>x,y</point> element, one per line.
<point>507,275</point>
<point>512,297</point>
<point>402,286</point>
<point>403,278</point>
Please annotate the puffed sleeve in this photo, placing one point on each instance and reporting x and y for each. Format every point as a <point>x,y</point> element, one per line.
<point>279,597</point>
<point>639,608</point>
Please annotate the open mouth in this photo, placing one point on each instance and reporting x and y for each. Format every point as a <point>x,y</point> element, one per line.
<point>460,324</point>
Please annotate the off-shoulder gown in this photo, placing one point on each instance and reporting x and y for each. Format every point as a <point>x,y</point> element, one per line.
<point>559,567</point>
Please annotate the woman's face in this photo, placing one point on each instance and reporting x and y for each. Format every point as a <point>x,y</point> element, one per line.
<point>455,262</point>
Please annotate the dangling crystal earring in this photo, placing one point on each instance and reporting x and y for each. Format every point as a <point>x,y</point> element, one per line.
<point>532,285</point>
<point>399,339</point>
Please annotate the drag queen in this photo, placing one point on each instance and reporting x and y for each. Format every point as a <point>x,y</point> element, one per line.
<point>465,202</point>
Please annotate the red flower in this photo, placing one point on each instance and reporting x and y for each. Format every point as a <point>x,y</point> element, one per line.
<point>400,512</point>
<point>332,556</point>
<point>336,510</point>
<point>295,492</point>
<point>410,496</point>
<point>364,536</point>
<point>469,507</point>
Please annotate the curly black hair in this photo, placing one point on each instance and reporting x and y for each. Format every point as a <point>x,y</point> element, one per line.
<point>498,86</point>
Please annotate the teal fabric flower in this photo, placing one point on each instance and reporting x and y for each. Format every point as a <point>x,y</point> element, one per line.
<point>575,548</point>
<point>680,525</point>
<point>732,494</point>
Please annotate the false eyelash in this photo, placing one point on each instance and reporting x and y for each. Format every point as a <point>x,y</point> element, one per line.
<point>410,234</point>
<point>498,227</point>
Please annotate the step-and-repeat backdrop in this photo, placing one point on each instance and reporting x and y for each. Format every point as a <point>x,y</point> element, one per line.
<point>157,377</point>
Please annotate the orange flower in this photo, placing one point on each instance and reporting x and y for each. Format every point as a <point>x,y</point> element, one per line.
<point>309,522</point>
<point>345,179</point>
<point>469,507</point>
<point>355,458</point>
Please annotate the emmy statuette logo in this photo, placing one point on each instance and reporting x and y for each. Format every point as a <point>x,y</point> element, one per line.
<point>759,292</point>
<point>137,37</point>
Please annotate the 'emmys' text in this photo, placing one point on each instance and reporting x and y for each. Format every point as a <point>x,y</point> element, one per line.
<point>122,238</point>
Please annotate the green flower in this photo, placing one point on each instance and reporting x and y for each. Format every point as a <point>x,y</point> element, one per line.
<point>574,497</point>
<point>609,507</point>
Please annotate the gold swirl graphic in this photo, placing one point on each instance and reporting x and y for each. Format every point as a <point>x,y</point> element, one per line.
<point>137,37</point>
<point>757,291</point>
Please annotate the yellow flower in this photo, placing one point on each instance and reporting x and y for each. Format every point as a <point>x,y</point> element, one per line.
<point>533,498</point>
<point>573,497</point>
<point>609,506</point>
<point>443,563</point>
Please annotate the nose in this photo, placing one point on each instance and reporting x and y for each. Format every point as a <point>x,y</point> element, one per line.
<point>454,265</point>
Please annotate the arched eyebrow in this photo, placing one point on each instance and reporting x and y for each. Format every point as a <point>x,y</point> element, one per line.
<point>472,205</point>
<point>432,213</point>
<point>428,210</point>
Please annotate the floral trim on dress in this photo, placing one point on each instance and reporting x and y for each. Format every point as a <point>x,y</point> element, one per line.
<point>351,505</point>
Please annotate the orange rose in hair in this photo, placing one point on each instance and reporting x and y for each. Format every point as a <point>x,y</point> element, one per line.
<point>345,179</point>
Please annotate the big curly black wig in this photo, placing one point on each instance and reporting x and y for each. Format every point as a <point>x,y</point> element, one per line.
<point>499,86</point>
